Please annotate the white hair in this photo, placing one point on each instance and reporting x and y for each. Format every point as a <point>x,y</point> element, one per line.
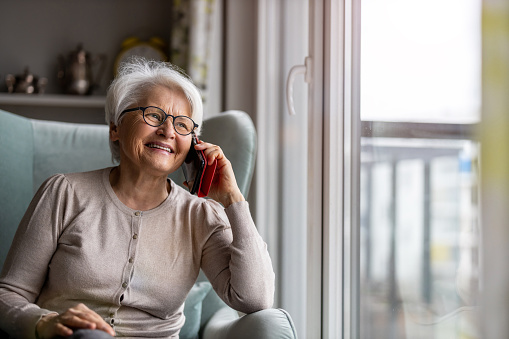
<point>135,79</point>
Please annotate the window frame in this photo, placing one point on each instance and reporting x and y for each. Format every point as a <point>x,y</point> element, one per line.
<point>341,175</point>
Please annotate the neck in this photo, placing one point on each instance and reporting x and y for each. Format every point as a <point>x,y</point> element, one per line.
<point>138,190</point>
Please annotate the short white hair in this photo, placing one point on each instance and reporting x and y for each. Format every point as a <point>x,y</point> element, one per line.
<point>135,79</point>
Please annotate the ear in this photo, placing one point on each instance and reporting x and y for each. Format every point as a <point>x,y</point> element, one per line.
<point>113,132</point>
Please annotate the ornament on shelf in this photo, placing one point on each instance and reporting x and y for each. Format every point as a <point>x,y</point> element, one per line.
<point>76,71</point>
<point>153,49</point>
<point>25,83</point>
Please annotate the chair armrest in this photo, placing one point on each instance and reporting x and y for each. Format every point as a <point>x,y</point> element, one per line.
<point>267,324</point>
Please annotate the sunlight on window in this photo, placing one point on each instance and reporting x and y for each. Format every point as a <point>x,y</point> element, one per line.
<point>421,60</point>
<point>420,231</point>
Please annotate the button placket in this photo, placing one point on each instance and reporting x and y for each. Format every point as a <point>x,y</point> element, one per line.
<point>111,317</point>
<point>135,222</point>
<point>138,215</point>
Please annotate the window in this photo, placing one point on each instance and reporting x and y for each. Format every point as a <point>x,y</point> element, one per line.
<point>420,90</point>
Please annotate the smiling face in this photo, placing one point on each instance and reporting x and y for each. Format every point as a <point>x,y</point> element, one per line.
<point>154,150</point>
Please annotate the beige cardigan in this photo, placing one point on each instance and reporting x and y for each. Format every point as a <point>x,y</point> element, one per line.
<point>78,243</point>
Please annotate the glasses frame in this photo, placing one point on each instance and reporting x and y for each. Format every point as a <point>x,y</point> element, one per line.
<point>142,109</point>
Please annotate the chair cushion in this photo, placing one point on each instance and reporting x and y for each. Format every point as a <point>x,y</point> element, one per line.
<point>16,179</point>
<point>192,310</point>
<point>61,147</point>
<point>271,323</point>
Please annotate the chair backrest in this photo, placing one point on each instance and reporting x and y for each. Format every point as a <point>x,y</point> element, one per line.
<point>32,150</point>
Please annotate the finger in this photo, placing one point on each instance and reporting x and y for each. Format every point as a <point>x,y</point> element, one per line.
<point>80,317</point>
<point>62,330</point>
<point>204,146</point>
<point>213,153</point>
<point>82,311</point>
<point>83,317</point>
<point>200,145</point>
<point>76,321</point>
<point>108,329</point>
<point>93,323</point>
<point>96,320</point>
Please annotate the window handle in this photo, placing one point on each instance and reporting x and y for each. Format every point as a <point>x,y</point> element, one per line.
<point>294,71</point>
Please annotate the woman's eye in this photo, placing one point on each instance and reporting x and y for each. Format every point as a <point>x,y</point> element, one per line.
<point>154,116</point>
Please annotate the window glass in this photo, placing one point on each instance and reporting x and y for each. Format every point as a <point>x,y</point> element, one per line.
<point>420,103</point>
<point>421,60</point>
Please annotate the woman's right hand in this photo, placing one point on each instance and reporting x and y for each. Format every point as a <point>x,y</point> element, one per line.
<point>77,317</point>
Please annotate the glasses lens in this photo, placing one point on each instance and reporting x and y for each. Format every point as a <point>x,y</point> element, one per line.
<point>154,116</point>
<point>183,125</point>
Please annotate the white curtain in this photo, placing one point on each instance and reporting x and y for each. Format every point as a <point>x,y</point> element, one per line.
<point>192,31</point>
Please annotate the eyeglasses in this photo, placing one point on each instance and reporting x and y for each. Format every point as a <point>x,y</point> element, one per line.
<point>154,116</point>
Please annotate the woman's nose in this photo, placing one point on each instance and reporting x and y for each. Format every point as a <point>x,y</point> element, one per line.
<point>167,128</point>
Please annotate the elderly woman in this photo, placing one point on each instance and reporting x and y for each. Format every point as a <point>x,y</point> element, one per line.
<point>115,251</point>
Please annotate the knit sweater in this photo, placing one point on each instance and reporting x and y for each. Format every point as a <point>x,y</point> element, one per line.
<point>78,243</point>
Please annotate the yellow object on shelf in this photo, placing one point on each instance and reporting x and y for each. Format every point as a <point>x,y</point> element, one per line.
<point>152,49</point>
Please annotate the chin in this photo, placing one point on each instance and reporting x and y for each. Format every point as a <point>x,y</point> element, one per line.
<point>168,165</point>
<point>171,169</point>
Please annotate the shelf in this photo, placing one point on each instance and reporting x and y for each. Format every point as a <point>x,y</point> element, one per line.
<point>52,100</point>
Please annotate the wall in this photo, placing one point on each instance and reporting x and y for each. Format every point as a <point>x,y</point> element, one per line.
<point>239,64</point>
<point>34,33</point>
<point>240,55</point>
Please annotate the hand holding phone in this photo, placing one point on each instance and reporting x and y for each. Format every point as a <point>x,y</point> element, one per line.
<point>197,172</point>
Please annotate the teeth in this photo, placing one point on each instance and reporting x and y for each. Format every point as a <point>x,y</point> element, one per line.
<point>160,147</point>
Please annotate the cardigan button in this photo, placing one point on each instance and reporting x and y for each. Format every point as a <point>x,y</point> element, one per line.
<point>124,285</point>
<point>135,236</point>
<point>137,214</point>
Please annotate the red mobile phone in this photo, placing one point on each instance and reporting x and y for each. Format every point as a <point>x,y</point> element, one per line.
<point>197,172</point>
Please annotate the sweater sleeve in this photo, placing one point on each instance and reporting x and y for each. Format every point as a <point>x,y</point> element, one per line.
<point>236,262</point>
<point>26,266</point>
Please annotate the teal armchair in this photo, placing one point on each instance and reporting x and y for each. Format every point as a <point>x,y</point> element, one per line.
<point>32,150</point>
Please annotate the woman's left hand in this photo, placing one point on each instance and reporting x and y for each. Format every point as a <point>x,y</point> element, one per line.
<point>224,188</point>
